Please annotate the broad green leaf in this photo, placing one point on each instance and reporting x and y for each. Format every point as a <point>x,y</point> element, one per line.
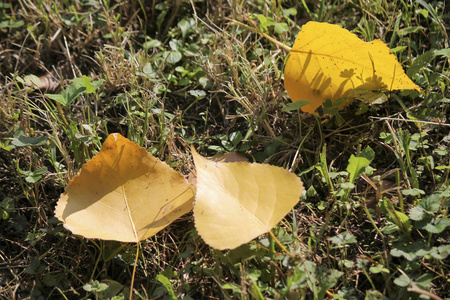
<point>280,28</point>
<point>6,208</point>
<point>404,219</point>
<point>420,62</point>
<point>424,281</point>
<point>413,192</point>
<point>35,267</point>
<point>50,279</point>
<point>297,279</point>
<point>356,167</point>
<point>433,225</point>
<point>343,239</point>
<point>94,85</point>
<point>151,44</point>
<point>23,141</point>
<point>87,82</point>
<point>33,177</point>
<point>320,279</point>
<point>426,208</point>
<point>378,269</point>
<point>113,289</point>
<point>357,164</point>
<point>287,12</point>
<point>11,23</point>
<point>374,295</point>
<point>95,287</point>
<point>400,219</point>
<point>72,93</point>
<point>408,255</point>
<point>166,283</point>
<point>265,22</point>
<point>409,30</point>
<point>417,213</point>
<point>58,98</point>
<point>367,153</point>
<point>295,105</point>
<point>440,252</point>
<point>175,45</point>
<point>186,26</point>
<point>197,93</point>
<point>410,251</point>
<point>431,203</point>
<point>402,280</point>
<point>68,95</point>
<point>32,80</point>
<point>443,52</point>
<point>174,57</point>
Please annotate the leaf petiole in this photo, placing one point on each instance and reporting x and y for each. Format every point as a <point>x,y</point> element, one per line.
<point>280,244</point>
<point>257,31</point>
<point>138,244</point>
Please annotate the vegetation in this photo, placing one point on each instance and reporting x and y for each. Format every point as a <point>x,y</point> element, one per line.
<point>373,222</point>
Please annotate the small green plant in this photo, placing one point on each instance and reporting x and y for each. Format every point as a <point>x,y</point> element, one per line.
<point>78,86</point>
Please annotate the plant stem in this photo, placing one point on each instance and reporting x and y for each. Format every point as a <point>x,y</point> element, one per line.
<point>278,43</point>
<point>280,244</point>
<point>372,221</point>
<point>134,271</point>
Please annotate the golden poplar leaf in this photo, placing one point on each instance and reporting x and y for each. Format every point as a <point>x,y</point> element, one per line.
<point>238,201</point>
<point>124,193</point>
<point>329,62</point>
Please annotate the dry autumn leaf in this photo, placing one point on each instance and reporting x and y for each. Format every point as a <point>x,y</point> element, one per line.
<point>50,82</point>
<point>220,157</point>
<point>329,62</point>
<point>124,194</point>
<point>238,201</point>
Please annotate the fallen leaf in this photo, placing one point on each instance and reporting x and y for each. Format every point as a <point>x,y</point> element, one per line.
<point>238,201</point>
<point>124,194</point>
<point>328,61</point>
<point>220,157</point>
<point>50,82</point>
<point>47,83</point>
<point>229,157</point>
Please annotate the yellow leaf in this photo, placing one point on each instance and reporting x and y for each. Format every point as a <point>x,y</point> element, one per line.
<point>328,61</point>
<point>220,157</point>
<point>238,201</point>
<point>124,194</point>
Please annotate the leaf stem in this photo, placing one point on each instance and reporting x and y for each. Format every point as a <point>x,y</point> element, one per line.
<point>307,9</point>
<point>424,292</point>
<point>138,244</point>
<point>257,31</point>
<point>280,244</point>
<point>272,257</point>
<point>369,216</point>
<point>272,246</point>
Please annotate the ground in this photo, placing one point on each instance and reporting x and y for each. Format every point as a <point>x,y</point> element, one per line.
<point>171,74</point>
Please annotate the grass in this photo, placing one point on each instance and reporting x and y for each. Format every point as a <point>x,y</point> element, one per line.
<point>170,74</point>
